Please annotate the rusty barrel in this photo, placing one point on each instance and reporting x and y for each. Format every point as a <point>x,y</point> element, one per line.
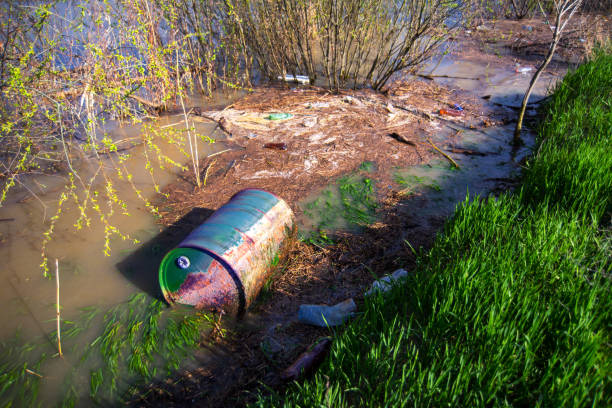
<point>224,262</point>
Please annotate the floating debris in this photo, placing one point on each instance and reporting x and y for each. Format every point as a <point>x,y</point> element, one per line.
<point>276,146</point>
<point>300,79</point>
<point>385,284</point>
<point>279,116</point>
<point>451,112</point>
<point>327,316</point>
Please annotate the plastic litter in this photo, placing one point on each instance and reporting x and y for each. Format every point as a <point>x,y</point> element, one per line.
<point>324,316</point>
<point>279,116</point>
<point>317,105</point>
<point>308,361</point>
<point>522,70</point>
<point>385,283</point>
<point>276,146</point>
<point>458,107</point>
<point>528,28</point>
<point>309,122</point>
<point>352,100</point>
<point>301,79</point>
<point>450,112</point>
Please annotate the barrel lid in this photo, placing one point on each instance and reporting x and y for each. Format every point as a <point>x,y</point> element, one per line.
<point>177,265</point>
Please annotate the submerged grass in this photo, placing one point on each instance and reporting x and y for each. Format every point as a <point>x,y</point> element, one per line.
<point>350,202</point>
<point>19,373</point>
<point>512,305</point>
<point>138,340</point>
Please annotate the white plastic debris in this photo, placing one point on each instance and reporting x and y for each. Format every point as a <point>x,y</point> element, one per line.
<point>301,79</point>
<point>385,283</point>
<point>327,316</point>
<point>352,100</point>
<point>317,105</point>
<point>309,121</point>
<point>522,70</point>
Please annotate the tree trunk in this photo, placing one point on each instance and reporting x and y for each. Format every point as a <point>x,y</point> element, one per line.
<point>516,140</point>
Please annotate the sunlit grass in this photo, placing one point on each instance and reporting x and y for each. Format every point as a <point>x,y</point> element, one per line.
<point>512,305</point>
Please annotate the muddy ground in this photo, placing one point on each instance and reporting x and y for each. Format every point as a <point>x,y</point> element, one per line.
<point>327,136</point>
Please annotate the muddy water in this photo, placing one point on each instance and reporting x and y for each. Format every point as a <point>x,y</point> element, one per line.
<point>88,278</point>
<point>486,158</point>
<point>500,83</point>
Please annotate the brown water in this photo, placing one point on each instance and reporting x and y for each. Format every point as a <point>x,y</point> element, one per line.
<point>87,276</point>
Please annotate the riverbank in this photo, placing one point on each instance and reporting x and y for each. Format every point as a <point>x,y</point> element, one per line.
<point>512,304</point>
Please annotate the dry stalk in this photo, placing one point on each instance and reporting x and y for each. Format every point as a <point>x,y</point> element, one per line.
<point>57,304</point>
<point>443,154</point>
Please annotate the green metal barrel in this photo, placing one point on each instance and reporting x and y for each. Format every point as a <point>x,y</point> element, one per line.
<point>224,262</point>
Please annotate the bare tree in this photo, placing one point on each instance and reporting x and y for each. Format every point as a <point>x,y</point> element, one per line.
<point>563,10</point>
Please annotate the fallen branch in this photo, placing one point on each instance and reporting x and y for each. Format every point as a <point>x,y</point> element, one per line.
<point>431,77</point>
<point>401,138</point>
<point>467,152</point>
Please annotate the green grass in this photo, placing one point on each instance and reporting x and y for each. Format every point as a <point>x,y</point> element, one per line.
<point>137,340</point>
<point>348,203</point>
<point>512,305</point>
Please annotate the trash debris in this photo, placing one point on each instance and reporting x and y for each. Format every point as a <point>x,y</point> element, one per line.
<point>450,112</point>
<point>327,316</point>
<point>301,79</point>
<point>309,121</point>
<point>279,116</point>
<point>317,105</point>
<point>224,262</point>
<point>251,135</point>
<point>308,361</point>
<point>351,100</point>
<point>276,146</point>
<point>528,27</point>
<point>522,70</point>
<point>385,283</point>
<point>458,107</point>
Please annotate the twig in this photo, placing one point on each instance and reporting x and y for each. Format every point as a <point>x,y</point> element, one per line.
<point>57,304</point>
<point>27,370</point>
<point>443,154</point>
<point>207,170</point>
<point>431,77</point>
<point>217,153</point>
<point>170,125</point>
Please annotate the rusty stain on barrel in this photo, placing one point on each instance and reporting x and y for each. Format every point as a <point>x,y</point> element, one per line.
<point>222,264</point>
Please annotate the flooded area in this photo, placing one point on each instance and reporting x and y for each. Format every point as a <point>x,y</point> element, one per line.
<point>365,172</point>
<point>90,281</point>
